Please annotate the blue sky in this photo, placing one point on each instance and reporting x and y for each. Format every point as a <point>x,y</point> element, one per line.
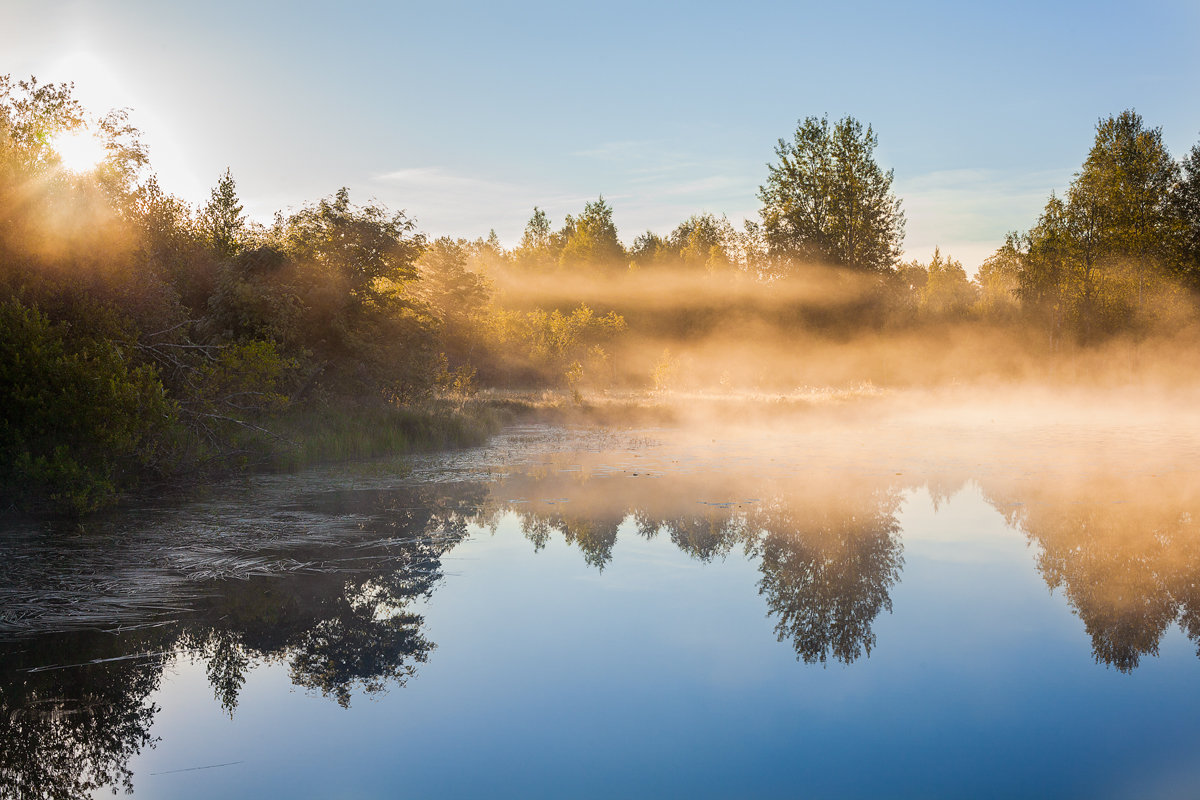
<point>469,114</point>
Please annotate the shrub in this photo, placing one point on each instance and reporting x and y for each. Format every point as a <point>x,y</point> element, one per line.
<point>80,424</point>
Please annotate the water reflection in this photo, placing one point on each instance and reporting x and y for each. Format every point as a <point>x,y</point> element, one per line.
<point>74,705</point>
<point>828,546</point>
<point>1125,551</point>
<point>67,732</point>
<point>327,581</point>
<point>827,571</point>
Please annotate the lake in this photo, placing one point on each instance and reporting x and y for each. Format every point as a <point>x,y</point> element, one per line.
<point>911,601</point>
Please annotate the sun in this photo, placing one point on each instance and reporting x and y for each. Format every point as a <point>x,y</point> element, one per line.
<point>78,150</point>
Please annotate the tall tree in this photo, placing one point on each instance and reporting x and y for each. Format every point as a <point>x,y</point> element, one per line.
<point>999,279</point>
<point>1119,201</point>
<point>826,199</point>
<point>1095,256</point>
<point>536,249</point>
<point>222,219</point>
<point>1045,265</point>
<point>370,248</point>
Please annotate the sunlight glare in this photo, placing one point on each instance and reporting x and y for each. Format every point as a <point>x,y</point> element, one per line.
<point>79,150</point>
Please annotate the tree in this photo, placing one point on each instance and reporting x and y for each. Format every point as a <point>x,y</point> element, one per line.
<point>649,249</point>
<point>456,296</point>
<point>222,220</point>
<point>1095,258</point>
<point>946,292</point>
<point>536,250</point>
<point>826,200</point>
<point>1119,200</point>
<point>1045,262</point>
<point>592,238</point>
<point>998,279</point>
<point>353,265</point>
<point>1185,206</point>
<point>79,421</point>
<point>705,242</point>
<point>369,248</point>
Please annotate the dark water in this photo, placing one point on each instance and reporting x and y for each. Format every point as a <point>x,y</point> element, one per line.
<point>894,609</point>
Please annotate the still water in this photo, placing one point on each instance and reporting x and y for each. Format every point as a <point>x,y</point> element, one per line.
<point>902,607</point>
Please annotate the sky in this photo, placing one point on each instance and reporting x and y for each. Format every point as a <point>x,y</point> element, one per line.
<point>467,115</point>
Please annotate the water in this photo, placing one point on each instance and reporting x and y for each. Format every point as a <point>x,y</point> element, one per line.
<point>896,607</point>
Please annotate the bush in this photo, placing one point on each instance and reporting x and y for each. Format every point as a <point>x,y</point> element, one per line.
<point>80,424</point>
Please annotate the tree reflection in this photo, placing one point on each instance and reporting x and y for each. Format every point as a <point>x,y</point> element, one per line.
<point>346,622</point>
<point>827,572</point>
<point>343,621</point>
<point>705,537</point>
<point>1125,550</point>
<point>829,551</point>
<point>66,732</point>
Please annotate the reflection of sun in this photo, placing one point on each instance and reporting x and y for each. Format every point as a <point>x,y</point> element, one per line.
<point>78,150</point>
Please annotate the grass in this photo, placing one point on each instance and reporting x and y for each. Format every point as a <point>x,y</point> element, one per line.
<point>332,435</point>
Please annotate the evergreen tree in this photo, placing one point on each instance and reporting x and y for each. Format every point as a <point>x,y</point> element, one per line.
<point>536,249</point>
<point>222,220</point>
<point>946,292</point>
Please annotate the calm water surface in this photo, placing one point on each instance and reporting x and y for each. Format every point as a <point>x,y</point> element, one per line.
<point>910,608</point>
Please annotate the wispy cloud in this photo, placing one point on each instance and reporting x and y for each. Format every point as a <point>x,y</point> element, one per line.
<point>710,184</point>
<point>439,180</point>
<point>655,189</point>
<point>622,150</point>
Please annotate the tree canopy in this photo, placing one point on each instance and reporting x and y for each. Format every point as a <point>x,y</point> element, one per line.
<point>1096,260</point>
<point>827,201</point>
<point>591,238</point>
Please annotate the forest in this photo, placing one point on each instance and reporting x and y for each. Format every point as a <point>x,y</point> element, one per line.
<point>147,342</point>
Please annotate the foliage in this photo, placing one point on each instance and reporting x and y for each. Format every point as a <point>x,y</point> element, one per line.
<point>649,250</point>
<point>947,292</point>
<point>827,201</point>
<point>1094,263</point>
<point>591,239</point>
<point>1185,209</point>
<point>537,250</point>
<point>222,220</point>
<point>666,371</point>
<point>80,423</point>
<point>999,281</point>
<point>353,266</point>
<point>704,242</point>
<point>541,347</point>
<point>455,294</point>
<point>201,334</point>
